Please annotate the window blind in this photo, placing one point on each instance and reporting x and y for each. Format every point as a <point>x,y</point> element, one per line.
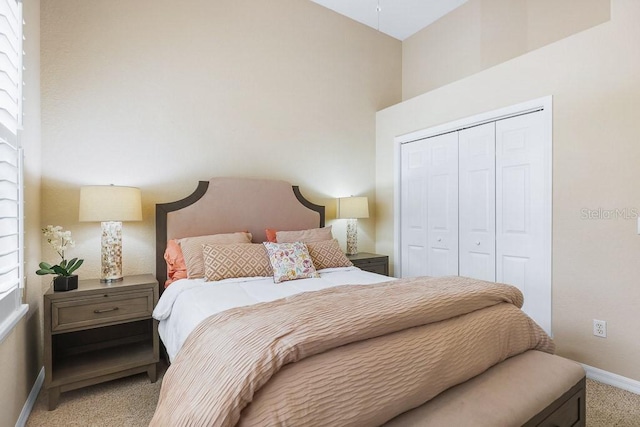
<point>11,190</point>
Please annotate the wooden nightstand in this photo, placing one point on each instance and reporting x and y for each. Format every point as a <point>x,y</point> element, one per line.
<point>99,332</point>
<point>371,262</point>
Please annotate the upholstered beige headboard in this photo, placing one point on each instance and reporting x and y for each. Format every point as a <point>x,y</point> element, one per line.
<point>226,205</point>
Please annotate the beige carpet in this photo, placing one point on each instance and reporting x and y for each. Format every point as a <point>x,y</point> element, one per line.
<point>131,401</point>
<point>125,402</point>
<point>608,406</point>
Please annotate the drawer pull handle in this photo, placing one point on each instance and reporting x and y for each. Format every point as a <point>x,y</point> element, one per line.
<point>106,310</point>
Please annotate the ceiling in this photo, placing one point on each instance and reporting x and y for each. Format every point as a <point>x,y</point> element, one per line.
<point>397,18</point>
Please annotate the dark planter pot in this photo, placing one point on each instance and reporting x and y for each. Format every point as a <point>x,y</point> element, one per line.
<point>65,283</point>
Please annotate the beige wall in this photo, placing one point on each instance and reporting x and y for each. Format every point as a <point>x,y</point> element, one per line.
<point>159,95</point>
<point>593,77</point>
<point>484,33</point>
<point>21,351</point>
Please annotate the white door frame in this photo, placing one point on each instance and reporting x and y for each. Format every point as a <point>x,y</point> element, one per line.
<point>545,104</point>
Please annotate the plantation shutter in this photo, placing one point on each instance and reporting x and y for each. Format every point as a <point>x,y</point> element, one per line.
<point>10,65</point>
<point>11,195</point>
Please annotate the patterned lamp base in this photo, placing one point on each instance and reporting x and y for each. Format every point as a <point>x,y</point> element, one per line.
<point>111,252</point>
<point>352,236</point>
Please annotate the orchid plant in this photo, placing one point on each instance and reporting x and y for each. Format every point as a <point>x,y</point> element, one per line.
<point>60,241</point>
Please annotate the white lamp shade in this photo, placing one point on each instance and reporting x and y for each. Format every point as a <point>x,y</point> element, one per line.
<point>103,203</point>
<point>353,207</point>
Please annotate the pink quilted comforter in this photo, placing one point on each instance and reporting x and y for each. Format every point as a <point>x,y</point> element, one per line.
<point>363,354</point>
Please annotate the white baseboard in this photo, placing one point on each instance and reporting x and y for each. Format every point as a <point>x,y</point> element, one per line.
<point>31,400</point>
<point>609,378</point>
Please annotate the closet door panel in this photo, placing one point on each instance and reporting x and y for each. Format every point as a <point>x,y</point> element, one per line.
<point>442,205</point>
<point>414,209</point>
<point>477,202</point>
<point>523,200</point>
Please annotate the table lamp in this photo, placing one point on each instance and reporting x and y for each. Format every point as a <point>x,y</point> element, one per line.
<point>110,205</point>
<point>352,208</point>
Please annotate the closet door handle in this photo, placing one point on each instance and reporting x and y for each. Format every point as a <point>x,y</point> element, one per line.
<point>439,239</point>
<point>477,243</point>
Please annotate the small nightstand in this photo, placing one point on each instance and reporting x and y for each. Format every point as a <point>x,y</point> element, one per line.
<point>99,332</point>
<point>371,262</point>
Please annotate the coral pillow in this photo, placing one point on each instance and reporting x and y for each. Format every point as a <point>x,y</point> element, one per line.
<point>290,261</point>
<point>176,267</point>
<point>328,254</point>
<point>305,236</point>
<point>271,235</point>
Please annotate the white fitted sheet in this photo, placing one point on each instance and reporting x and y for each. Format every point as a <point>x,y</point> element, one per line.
<point>187,302</point>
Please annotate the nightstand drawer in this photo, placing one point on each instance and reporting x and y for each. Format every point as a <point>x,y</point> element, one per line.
<point>375,267</point>
<point>370,261</point>
<point>101,310</point>
<point>373,263</point>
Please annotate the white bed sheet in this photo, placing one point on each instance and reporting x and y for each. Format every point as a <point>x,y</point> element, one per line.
<point>187,302</point>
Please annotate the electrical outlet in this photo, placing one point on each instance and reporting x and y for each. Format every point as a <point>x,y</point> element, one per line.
<point>600,328</point>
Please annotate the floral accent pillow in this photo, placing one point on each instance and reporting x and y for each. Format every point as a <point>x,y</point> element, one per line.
<point>290,261</point>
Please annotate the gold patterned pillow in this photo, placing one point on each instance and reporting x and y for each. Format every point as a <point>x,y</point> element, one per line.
<point>192,249</point>
<point>227,261</point>
<point>328,254</point>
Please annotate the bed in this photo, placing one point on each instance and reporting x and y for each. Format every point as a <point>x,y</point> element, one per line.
<point>342,346</point>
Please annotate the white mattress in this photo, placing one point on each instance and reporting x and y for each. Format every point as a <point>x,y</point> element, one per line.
<point>188,302</point>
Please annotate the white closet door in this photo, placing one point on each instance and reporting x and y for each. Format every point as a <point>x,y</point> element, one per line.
<point>413,208</point>
<point>523,209</point>
<point>429,207</point>
<point>477,202</point>
<point>442,205</point>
